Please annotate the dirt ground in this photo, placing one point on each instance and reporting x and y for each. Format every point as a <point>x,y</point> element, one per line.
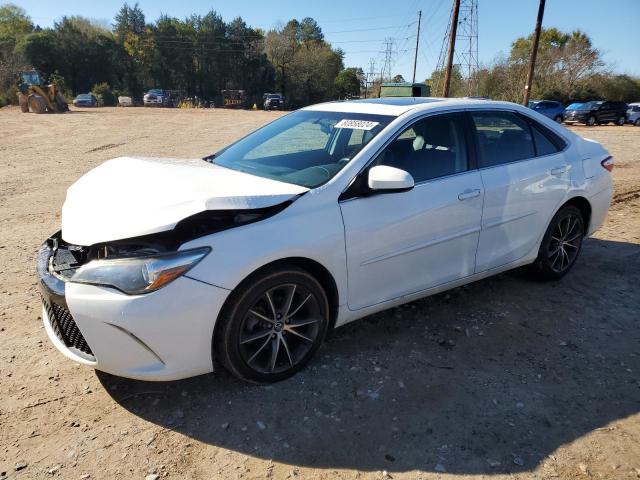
<point>503,378</point>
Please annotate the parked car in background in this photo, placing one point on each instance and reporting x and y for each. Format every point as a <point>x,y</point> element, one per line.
<point>164,267</point>
<point>596,113</point>
<point>633,114</point>
<point>273,101</point>
<point>159,98</point>
<point>85,100</point>
<point>125,101</point>
<point>549,108</point>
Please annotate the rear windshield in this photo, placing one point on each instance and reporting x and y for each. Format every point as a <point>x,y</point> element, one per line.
<point>575,106</point>
<point>305,148</point>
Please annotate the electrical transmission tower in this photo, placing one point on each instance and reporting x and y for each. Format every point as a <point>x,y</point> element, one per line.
<point>370,76</point>
<point>466,48</point>
<point>386,67</point>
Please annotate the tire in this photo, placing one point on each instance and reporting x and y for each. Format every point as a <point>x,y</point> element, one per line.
<point>561,244</point>
<point>24,104</point>
<point>637,122</point>
<point>272,325</point>
<point>558,119</point>
<point>620,121</point>
<point>37,104</point>
<point>591,121</point>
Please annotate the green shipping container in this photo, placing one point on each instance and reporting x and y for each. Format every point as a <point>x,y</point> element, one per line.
<point>406,89</point>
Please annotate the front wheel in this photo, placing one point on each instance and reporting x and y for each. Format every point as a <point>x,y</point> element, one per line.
<point>620,121</point>
<point>591,121</point>
<point>560,245</point>
<point>637,122</point>
<point>558,119</point>
<point>272,325</point>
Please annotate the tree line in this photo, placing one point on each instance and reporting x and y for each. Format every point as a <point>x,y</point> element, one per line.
<point>200,55</point>
<point>568,68</point>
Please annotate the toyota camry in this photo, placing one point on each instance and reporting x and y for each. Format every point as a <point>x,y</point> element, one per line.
<point>164,268</point>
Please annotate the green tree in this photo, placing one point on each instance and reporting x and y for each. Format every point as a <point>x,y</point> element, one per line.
<point>14,26</point>
<point>134,53</point>
<point>348,83</point>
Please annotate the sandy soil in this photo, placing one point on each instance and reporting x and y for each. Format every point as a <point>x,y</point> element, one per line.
<point>504,378</point>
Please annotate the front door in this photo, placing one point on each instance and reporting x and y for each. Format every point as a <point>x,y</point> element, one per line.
<point>404,242</point>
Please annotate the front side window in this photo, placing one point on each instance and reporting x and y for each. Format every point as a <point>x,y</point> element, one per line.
<point>430,148</point>
<point>503,137</point>
<point>305,148</point>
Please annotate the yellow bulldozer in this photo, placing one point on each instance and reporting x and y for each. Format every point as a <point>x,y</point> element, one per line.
<point>35,95</point>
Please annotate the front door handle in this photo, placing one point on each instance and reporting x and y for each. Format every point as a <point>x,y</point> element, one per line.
<point>467,194</point>
<point>559,170</point>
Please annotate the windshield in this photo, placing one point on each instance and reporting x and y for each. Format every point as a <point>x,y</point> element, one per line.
<point>31,78</point>
<point>155,91</point>
<point>305,148</point>
<point>575,106</point>
<point>84,96</point>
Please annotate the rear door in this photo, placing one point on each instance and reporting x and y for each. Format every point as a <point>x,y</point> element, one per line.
<point>404,242</point>
<point>606,112</point>
<point>525,177</point>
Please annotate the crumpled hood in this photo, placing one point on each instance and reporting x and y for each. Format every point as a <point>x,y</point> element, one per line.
<point>133,196</point>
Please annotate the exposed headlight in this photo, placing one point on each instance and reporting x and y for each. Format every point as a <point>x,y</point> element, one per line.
<point>137,275</point>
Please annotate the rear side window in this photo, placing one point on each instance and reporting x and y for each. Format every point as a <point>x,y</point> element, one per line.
<point>503,137</point>
<point>544,146</point>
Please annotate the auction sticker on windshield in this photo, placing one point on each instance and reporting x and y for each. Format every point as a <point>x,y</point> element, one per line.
<point>356,124</point>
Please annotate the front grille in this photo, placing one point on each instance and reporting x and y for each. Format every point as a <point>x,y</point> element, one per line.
<point>65,327</point>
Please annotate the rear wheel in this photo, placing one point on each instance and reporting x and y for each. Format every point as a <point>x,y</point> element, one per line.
<point>560,245</point>
<point>637,122</point>
<point>24,103</point>
<point>273,325</point>
<point>620,121</point>
<point>591,121</point>
<point>558,119</point>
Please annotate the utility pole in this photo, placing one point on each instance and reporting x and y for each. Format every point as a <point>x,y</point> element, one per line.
<point>534,54</point>
<point>415,57</point>
<point>452,46</point>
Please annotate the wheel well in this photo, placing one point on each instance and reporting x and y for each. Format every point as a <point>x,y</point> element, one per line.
<point>584,206</point>
<point>317,270</point>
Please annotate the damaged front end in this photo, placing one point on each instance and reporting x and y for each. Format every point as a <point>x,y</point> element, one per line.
<point>63,260</point>
<point>134,266</point>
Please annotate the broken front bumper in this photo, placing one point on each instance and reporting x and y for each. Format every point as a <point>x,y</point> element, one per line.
<point>163,335</point>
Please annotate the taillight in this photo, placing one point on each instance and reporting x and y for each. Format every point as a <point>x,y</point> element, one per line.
<point>608,163</point>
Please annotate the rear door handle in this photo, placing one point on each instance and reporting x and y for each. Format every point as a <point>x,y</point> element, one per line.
<point>467,194</point>
<point>559,170</point>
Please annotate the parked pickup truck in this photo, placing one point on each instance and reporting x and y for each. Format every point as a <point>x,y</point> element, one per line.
<point>273,101</point>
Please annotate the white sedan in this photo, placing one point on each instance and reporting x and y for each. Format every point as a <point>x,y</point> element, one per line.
<point>166,267</point>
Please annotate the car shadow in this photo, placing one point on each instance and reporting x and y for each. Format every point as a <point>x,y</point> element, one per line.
<point>487,378</point>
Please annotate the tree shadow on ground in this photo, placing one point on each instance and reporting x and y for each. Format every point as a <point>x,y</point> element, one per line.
<point>487,378</point>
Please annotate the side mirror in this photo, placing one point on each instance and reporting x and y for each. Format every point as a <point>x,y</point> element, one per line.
<point>385,178</point>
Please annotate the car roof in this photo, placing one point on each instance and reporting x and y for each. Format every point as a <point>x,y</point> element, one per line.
<point>396,106</point>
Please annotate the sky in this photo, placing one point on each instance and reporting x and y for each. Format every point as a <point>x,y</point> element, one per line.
<point>360,29</point>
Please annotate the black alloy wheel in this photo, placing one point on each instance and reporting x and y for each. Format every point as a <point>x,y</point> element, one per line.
<point>561,244</point>
<point>273,326</point>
